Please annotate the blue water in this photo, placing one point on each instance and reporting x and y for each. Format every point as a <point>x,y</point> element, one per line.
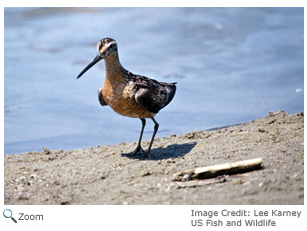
<point>232,65</point>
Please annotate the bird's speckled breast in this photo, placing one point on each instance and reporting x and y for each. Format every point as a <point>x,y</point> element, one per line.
<point>120,96</point>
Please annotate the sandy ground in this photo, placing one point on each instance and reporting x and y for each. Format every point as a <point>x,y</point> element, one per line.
<point>110,175</point>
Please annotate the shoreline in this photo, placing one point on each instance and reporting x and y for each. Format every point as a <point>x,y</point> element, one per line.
<point>109,174</point>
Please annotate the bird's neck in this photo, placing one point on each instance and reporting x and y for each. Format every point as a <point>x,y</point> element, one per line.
<point>115,73</point>
<point>113,65</point>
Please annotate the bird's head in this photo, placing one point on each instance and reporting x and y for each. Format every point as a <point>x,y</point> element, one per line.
<point>106,47</point>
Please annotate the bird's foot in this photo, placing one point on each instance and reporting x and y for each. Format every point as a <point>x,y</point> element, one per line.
<point>138,150</point>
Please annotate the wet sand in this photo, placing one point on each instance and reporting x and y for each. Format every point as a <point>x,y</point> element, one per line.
<point>110,175</point>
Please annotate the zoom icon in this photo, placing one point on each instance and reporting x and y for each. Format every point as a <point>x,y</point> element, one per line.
<point>8,214</point>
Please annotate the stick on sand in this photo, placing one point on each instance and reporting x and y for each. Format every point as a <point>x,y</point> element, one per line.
<point>216,170</point>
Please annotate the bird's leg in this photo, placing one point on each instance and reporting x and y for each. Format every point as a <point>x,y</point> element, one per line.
<point>153,135</point>
<point>138,147</point>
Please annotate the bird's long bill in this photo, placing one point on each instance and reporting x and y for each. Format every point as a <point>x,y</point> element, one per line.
<point>96,60</point>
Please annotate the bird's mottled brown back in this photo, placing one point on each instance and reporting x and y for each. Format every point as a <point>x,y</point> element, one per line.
<point>153,95</point>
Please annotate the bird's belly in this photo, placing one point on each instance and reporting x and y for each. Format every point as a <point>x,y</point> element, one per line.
<point>127,107</point>
<point>122,102</point>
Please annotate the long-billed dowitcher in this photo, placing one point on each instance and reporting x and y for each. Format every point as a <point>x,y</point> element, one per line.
<point>128,94</point>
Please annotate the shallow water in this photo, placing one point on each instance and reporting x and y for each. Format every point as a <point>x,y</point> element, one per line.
<point>232,65</point>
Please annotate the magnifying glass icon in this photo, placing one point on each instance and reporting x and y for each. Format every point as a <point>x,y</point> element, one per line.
<point>8,214</point>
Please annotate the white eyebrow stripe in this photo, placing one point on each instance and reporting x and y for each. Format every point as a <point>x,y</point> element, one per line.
<point>109,44</point>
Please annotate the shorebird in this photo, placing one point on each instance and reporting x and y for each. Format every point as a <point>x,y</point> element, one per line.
<point>128,94</point>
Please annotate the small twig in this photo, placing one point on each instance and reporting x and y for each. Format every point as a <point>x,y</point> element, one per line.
<point>217,170</point>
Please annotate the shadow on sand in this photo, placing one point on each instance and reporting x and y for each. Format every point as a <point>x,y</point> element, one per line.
<point>171,151</point>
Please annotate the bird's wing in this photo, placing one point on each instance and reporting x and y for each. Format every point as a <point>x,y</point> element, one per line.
<point>101,99</point>
<point>152,94</point>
